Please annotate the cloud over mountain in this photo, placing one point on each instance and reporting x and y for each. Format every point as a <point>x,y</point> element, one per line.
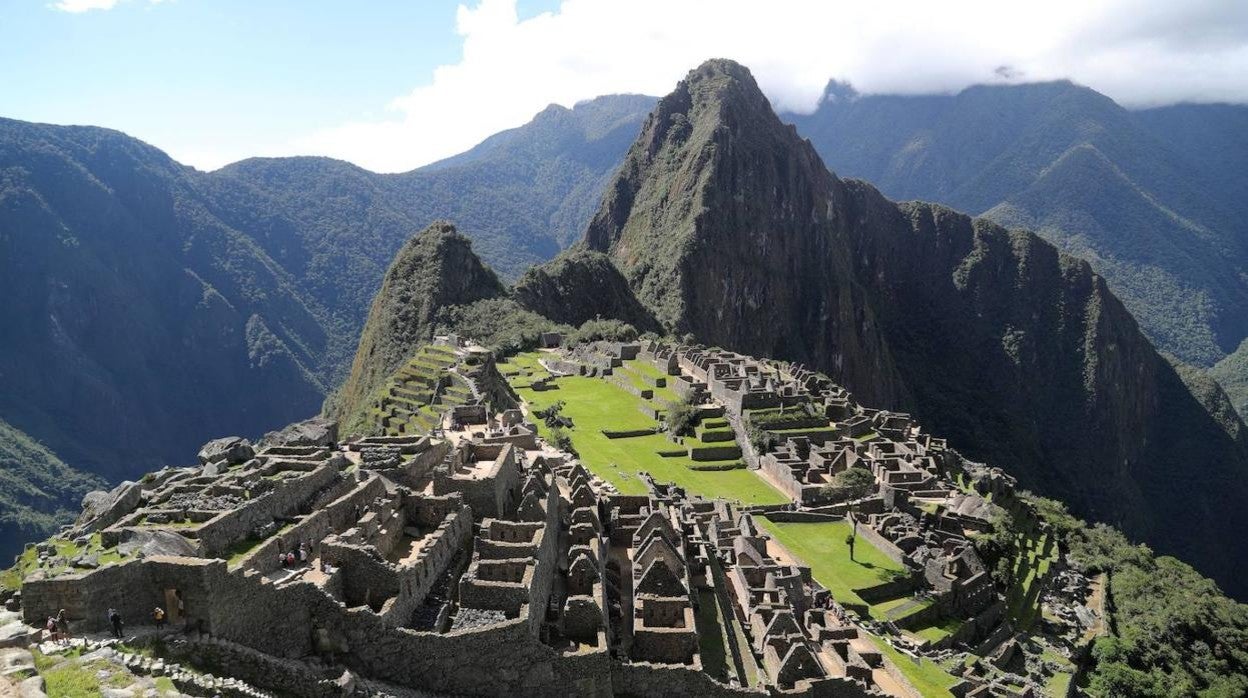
<point>1137,52</point>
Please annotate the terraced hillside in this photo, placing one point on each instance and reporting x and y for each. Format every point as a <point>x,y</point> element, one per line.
<point>414,398</point>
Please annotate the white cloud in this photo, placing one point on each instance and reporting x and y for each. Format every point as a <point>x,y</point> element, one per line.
<point>76,6</point>
<point>80,6</point>
<point>1136,51</point>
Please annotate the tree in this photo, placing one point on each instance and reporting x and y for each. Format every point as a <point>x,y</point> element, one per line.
<point>553,417</point>
<point>681,417</point>
<point>761,439</point>
<point>561,440</point>
<point>852,483</point>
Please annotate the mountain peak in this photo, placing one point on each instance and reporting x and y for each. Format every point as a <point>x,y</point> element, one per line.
<point>435,269</point>
<point>719,205</point>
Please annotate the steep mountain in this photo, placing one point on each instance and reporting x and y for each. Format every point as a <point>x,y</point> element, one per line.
<point>1153,199</point>
<point>137,323</point>
<point>1232,373</point>
<point>435,269</point>
<point>713,160</point>
<point>149,307</point>
<point>727,225</point>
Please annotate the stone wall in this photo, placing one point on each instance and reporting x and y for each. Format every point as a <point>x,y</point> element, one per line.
<point>645,679</point>
<point>705,453</point>
<point>885,545</point>
<point>257,668</point>
<point>219,534</point>
<point>133,588</point>
<point>337,516</point>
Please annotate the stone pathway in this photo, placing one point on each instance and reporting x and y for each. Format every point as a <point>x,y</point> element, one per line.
<point>100,650</point>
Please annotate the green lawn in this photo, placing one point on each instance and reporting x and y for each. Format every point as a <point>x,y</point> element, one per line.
<point>635,372</point>
<point>925,675</point>
<point>939,629</point>
<point>822,546</point>
<point>595,404</point>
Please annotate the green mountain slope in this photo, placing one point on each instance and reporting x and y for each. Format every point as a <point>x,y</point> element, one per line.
<point>137,323</point>
<point>38,491</point>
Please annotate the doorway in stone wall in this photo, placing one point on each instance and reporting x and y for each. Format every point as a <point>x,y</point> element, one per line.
<point>173,606</point>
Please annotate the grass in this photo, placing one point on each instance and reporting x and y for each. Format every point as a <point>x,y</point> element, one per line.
<point>241,549</point>
<point>595,404</point>
<point>164,684</point>
<point>925,675</point>
<point>822,546</point>
<point>636,377</point>
<point>66,677</point>
<point>28,561</point>
<point>939,629</point>
<point>712,642</point>
<point>1059,682</point>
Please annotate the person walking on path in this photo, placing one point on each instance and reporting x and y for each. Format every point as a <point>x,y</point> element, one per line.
<point>158,616</point>
<point>114,619</point>
<point>62,625</point>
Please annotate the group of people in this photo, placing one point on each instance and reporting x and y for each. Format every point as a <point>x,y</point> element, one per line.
<point>291,558</point>
<point>58,625</point>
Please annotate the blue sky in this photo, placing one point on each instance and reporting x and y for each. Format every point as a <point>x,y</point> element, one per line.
<point>391,85</point>
<point>229,71</point>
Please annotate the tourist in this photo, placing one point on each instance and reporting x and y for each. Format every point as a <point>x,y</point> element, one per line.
<point>158,617</point>
<point>114,619</point>
<point>290,559</point>
<point>53,633</point>
<point>303,553</point>
<point>62,625</point>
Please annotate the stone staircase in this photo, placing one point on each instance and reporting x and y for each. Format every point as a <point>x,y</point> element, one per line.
<point>189,681</point>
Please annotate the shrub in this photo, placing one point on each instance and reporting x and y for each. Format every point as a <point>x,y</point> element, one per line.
<point>553,417</point>
<point>600,329</point>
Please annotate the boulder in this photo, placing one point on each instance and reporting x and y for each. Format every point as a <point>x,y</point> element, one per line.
<point>317,431</point>
<point>229,449</point>
<point>87,562</point>
<point>13,632</point>
<point>32,688</point>
<point>157,542</point>
<point>103,509</point>
<point>16,660</point>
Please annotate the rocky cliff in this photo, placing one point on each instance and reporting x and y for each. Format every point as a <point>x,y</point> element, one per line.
<point>727,225</point>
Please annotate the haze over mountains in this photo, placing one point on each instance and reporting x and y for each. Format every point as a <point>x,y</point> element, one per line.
<point>162,306</point>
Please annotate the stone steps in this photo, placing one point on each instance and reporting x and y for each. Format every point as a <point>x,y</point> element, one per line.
<point>188,681</point>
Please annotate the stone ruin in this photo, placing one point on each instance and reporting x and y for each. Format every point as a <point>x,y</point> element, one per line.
<point>479,560</point>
